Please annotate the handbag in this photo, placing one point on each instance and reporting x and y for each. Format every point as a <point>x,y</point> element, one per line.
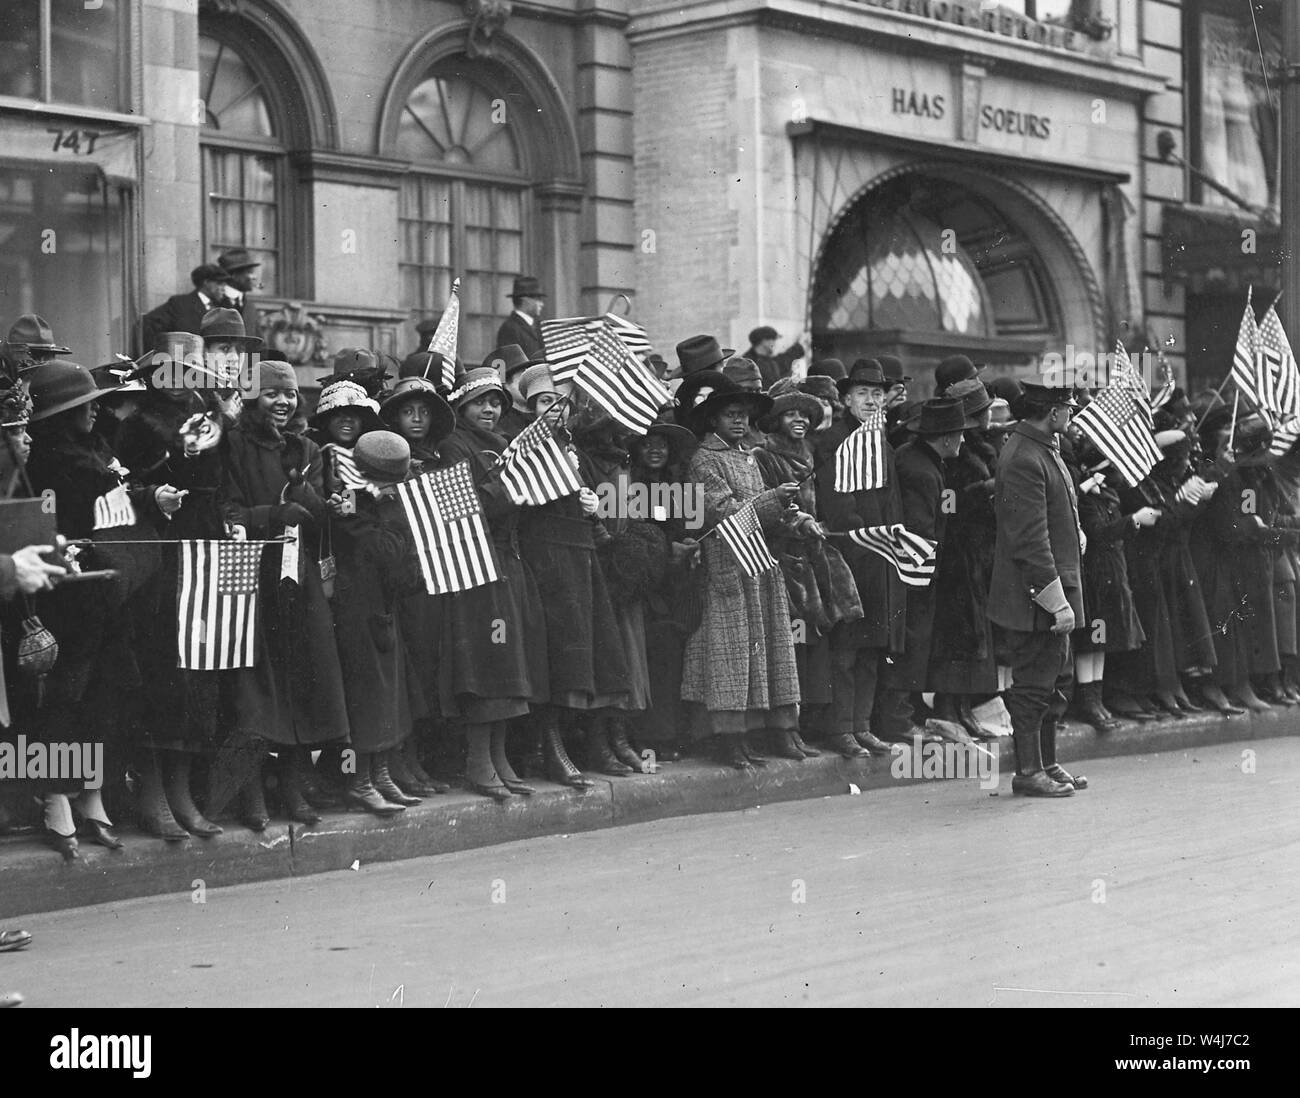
<point>38,652</point>
<point>329,568</point>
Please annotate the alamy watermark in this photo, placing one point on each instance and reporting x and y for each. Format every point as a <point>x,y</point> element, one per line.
<point>1076,369</point>
<point>81,762</point>
<point>938,761</point>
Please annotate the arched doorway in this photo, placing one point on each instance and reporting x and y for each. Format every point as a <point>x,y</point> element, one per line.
<point>932,260</point>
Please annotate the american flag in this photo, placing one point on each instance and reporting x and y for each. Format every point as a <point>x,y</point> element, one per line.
<point>535,469</point>
<point>911,555</point>
<point>1285,382</point>
<point>451,538</point>
<point>445,339</point>
<point>632,334</point>
<point>1126,377</point>
<point>217,604</point>
<point>1115,424</point>
<point>619,383</point>
<point>345,468</point>
<point>860,458</point>
<point>567,343</point>
<point>1243,355</point>
<point>744,537</point>
<point>114,509</point>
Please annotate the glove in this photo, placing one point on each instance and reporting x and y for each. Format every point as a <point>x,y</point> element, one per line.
<point>291,514</point>
<point>1052,599</point>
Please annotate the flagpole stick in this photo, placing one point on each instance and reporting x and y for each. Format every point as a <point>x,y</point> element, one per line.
<point>1232,431</point>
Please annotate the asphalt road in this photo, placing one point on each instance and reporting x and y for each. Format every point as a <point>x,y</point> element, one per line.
<point>1171,881</point>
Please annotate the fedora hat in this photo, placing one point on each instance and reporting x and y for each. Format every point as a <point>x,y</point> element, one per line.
<point>1036,395</point>
<point>348,395</point>
<point>58,386</point>
<point>940,416</point>
<point>416,388</point>
<point>953,368</point>
<point>866,371</point>
<point>821,387</point>
<point>35,334</point>
<point>383,457</point>
<point>234,260</point>
<point>354,363</point>
<point>694,389</point>
<point>507,360</point>
<point>526,286</point>
<point>741,370</point>
<point>972,394</point>
<point>227,326</point>
<point>727,392</point>
<point>474,383</point>
<point>701,352</point>
<point>892,366</point>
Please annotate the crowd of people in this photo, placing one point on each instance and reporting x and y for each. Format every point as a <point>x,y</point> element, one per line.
<point>625,636</point>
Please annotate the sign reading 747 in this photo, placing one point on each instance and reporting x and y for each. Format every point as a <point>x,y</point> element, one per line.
<point>77,142</point>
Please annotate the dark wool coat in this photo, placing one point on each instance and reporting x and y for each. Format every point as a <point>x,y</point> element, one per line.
<point>1189,624</point>
<point>921,483</point>
<point>179,313</point>
<point>493,636</point>
<point>741,660</point>
<point>515,329</point>
<point>588,663</point>
<point>293,694</point>
<point>419,618</point>
<point>1107,594</point>
<point>375,556</point>
<point>961,649</point>
<point>882,593</point>
<point>1277,511</point>
<point>1038,532</point>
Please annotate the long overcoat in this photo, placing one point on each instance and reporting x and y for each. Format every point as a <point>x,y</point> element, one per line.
<point>921,483</point>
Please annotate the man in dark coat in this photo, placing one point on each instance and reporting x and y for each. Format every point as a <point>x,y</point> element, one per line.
<point>240,266</point>
<point>184,312</point>
<point>524,326</point>
<point>762,352</point>
<point>860,647</point>
<point>1036,594</point>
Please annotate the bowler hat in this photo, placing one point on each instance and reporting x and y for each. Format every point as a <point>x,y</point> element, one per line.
<point>866,371</point>
<point>940,416</point>
<point>765,331</point>
<point>527,286</point>
<point>792,402</point>
<point>425,364</point>
<point>347,395</point>
<point>234,260</point>
<point>382,456</point>
<point>1008,388</point>
<point>443,419</point>
<point>507,361</point>
<point>701,352</point>
<point>727,392</point>
<point>474,383</point>
<point>1047,396</point>
<point>828,367</point>
<point>227,326</point>
<point>892,366</point>
<point>58,386</point>
<point>953,368</point>
<point>209,272</point>
<point>35,334</point>
<point>971,392</point>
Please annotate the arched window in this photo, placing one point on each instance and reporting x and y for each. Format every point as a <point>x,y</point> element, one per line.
<point>464,204</point>
<point>244,161</point>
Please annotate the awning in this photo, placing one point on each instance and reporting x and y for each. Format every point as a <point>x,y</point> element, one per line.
<point>1209,249</point>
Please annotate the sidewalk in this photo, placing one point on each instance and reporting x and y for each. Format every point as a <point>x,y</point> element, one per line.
<point>33,878</point>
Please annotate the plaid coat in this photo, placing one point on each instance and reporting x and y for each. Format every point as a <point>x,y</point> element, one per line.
<point>742,655</point>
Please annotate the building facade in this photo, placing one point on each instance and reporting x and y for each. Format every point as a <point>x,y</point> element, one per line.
<point>922,177</point>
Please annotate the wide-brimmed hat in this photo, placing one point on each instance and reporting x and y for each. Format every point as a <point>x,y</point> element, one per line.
<point>58,386</point>
<point>866,371</point>
<point>972,394</point>
<point>383,457</point>
<point>762,332</point>
<point>526,286</point>
<point>741,370</point>
<point>694,389</point>
<point>474,383</point>
<point>892,366</point>
<point>507,360</point>
<point>701,352</point>
<point>828,367</point>
<point>1046,396</point>
<point>356,363</point>
<point>35,334</point>
<point>727,392</point>
<point>940,416</point>
<point>680,440</point>
<point>349,396</point>
<point>227,326</point>
<point>443,419</point>
<point>953,368</point>
<point>423,364</point>
<point>234,260</point>
<point>792,402</point>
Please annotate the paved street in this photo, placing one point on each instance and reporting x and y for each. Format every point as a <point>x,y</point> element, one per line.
<point>1172,881</point>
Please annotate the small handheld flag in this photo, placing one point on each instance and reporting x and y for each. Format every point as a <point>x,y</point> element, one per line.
<point>446,337</point>
<point>217,604</point>
<point>860,458</point>
<point>535,469</point>
<point>911,555</point>
<point>451,538</point>
<point>744,537</point>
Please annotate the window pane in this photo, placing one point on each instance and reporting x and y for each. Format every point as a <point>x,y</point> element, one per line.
<point>242,211</point>
<point>259,178</point>
<point>84,48</point>
<point>20,46</point>
<point>450,120</point>
<point>232,92</point>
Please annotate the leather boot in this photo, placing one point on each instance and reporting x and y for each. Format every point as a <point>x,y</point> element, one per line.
<point>619,745</point>
<point>808,752</point>
<point>294,763</point>
<point>1051,767</point>
<point>1090,709</point>
<point>252,803</point>
<point>600,757</point>
<point>405,777</point>
<point>383,782</point>
<point>528,737</point>
<point>875,745</point>
<point>361,793</point>
<point>945,708</point>
<point>786,748</point>
<point>1129,708</point>
<point>176,785</point>
<point>966,718</point>
<point>155,813</point>
<point>1026,733</point>
<point>322,784</point>
<point>731,752</point>
<point>751,753</point>
<point>501,762</point>
<point>1244,694</point>
<point>846,746</point>
<point>1213,694</point>
<point>559,767</point>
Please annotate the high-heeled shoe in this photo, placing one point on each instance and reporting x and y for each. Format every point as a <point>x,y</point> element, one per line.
<point>786,747</point>
<point>496,792</point>
<point>808,752</point>
<point>559,767</point>
<point>758,760</point>
<point>1214,696</point>
<point>523,789</point>
<point>601,757</point>
<point>360,793</point>
<point>252,805</point>
<point>384,784</point>
<point>99,832</point>
<point>732,754</point>
<point>410,778</point>
<point>66,845</point>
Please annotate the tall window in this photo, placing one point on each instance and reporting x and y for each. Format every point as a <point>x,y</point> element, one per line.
<point>243,162</point>
<point>463,209</point>
<point>58,52</point>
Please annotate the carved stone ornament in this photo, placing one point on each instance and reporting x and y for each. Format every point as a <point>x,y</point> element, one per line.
<point>294,336</point>
<point>486,17</point>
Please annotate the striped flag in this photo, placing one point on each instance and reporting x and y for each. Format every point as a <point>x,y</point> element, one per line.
<point>345,468</point>
<point>1285,382</point>
<point>447,336</point>
<point>911,555</point>
<point>632,334</point>
<point>451,538</point>
<point>216,603</point>
<point>620,384</point>
<point>860,458</point>
<point>114,509</point>
<point>535,469</point>
<point>567,343</point>
<point>744,537</point>
<point>1127,377</point>
<point>1115,424</point>
<point>1244,362</point>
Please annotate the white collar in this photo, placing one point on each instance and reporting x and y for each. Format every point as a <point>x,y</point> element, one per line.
<point>526,318</point>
